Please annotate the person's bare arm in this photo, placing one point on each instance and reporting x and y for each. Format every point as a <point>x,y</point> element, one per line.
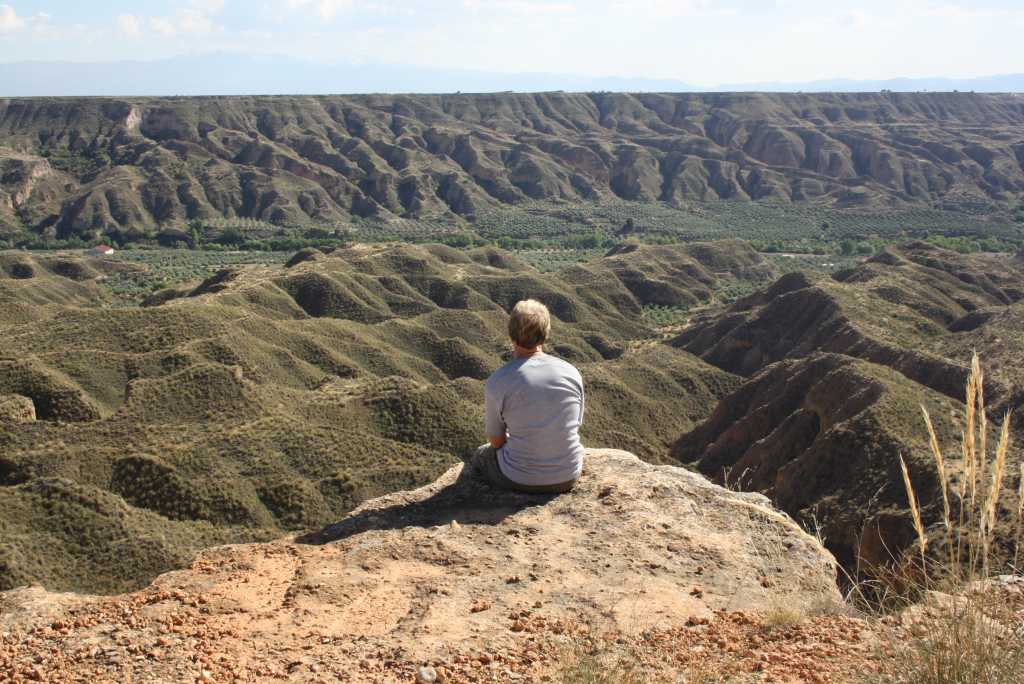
<point>493,422</point>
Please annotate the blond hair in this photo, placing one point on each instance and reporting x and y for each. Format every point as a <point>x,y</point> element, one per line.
<point>529,324</point>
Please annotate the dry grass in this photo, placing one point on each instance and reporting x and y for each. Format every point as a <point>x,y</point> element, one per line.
<point>967,639</point>
<point>1020,521</point>
<point>603,669</point>
<point>940,464</point>
<point>970,553</point>
<point>590,661</point>
<point>915,510</point>
<point>583,664</point>
<point>965,633</point>
<point>782,616</point>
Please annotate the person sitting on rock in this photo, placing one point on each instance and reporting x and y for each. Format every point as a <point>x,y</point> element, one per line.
<point>534,410</point>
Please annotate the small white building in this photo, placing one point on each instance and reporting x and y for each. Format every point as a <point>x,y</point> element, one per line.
<point>102,250</point>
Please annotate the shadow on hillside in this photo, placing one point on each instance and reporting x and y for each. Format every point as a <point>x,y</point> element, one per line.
<point>469,500</point>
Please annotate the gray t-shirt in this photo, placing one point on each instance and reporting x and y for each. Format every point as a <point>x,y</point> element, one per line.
<point>539,401</point>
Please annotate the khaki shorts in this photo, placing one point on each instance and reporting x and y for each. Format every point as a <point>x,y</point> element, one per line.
<point>484,463</point>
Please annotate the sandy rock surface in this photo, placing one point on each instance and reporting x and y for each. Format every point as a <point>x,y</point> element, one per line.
<point>15,408</point>
<point>454,576</point>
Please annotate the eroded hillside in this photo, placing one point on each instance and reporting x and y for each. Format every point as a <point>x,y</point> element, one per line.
<point>837,369</point>
<point>83,167</point>
<point>269,399</point>
<point>29,284</point>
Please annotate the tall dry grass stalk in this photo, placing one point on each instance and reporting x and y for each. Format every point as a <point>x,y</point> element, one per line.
<point>971,452</point>
<point>915,510</point>
<point>970,469</point>
<point>967,633</point>
<point>982,415</point>
<point>1020,519</point>
<point>970,434</point>
<point>940,464</point>
<point>977,370</point>
<point>995,488</point>
<point>977,521</point>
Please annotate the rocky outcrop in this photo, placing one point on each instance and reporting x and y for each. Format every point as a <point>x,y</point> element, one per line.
<point>15,408</point>
<point>656,529</point>
<point>28,184</point>
<point>821,437</point>
<point>454,567</point>
<point>84,167</point>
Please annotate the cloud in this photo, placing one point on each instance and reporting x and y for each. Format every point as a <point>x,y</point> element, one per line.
<point>910,16</point>
<point>667,9</point>
<point>208,7</point>
<point>325,9</point>
<point>163,26</point>
<point>195,21</point>
<point>130,25</point>
<point>519,6</point>
<point>957,14</point>
<point>198,18</point>
<point>9,20</point>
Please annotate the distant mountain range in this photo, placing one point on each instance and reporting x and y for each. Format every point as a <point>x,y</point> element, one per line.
<point>88,167</point>
<point>231,74</point>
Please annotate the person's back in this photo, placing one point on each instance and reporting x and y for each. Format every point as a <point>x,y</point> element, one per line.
<point>539,399</point>
<point>534,410</point>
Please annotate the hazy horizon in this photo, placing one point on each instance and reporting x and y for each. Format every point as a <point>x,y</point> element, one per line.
<point>694,44</point>
<point>234,75</point>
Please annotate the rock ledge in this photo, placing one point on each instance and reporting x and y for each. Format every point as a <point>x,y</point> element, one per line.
<point>639,544</point>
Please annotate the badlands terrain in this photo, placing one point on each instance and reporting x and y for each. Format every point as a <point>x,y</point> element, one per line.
<point>85,167</point>
<point>268,405</point>
<point>269,399</point>
<point>248,469</point>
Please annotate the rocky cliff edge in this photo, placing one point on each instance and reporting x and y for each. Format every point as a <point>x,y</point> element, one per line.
<point>442,575</point>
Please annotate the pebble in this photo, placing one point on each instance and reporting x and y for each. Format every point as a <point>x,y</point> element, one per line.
<point>426,675</point>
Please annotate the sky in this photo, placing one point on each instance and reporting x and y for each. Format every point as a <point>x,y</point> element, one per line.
<point>703,42</point>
